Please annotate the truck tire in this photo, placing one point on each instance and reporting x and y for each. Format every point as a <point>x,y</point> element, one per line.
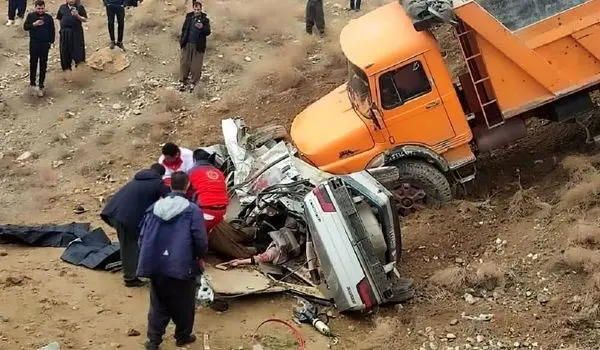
<point>420,185</point>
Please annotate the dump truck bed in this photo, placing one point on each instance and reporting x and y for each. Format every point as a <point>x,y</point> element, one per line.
<point>525,53</point>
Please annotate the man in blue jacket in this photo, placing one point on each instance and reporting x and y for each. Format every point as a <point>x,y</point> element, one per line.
<point>125,211</point>
<point>172,241</point>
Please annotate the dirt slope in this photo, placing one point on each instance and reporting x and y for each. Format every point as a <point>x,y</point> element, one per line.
<point>522,243</point>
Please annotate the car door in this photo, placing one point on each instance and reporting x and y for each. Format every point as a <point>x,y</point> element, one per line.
<point>411,105</point>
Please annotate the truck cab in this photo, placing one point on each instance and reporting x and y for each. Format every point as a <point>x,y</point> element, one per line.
<point>399,106</point>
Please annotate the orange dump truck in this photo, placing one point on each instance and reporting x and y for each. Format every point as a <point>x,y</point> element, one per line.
<point>402,107</point>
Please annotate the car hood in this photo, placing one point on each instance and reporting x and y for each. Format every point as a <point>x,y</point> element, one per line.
<point>329,130</point>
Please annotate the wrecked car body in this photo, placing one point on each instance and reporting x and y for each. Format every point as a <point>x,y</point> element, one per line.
<point>337,237</point>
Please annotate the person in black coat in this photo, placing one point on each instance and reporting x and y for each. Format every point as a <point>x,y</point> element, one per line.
<point>194,31</point>
<point>72,44</point>
<point>40,26</point>
<point>125,211</point>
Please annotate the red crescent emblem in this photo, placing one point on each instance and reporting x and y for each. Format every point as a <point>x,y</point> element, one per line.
<point>213,175</point>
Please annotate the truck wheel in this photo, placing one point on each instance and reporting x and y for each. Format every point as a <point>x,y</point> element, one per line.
<point>420,185</point>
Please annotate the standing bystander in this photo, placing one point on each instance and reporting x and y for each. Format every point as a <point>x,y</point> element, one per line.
<point>115,8</point>
<point>315,16</point>
<point>172,241</point>
<point>194,31</point>
<point>16,12</point>
<point>72,44</point>
<point>125,211</point>
<point>40,26</point>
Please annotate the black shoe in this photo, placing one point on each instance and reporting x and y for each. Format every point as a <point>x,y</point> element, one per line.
<point>189,340</point>
<point>135,283</point>
<point>120,45</point>
<point>182,86</point>
<point>151,346</point>
<point>111,45</point>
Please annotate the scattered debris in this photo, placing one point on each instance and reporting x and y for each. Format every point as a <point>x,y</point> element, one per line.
<point>79,209</point>
<point>480,317</point>
<point>470,299</point>
<point>306,312</point>
<point>51,346</point>
<point>132,332</point>
<point>24,156</point>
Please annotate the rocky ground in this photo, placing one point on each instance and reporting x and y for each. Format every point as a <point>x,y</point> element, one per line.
<point>513,264</point>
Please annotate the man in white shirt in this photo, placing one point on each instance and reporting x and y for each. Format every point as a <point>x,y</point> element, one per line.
<point>175,158</point>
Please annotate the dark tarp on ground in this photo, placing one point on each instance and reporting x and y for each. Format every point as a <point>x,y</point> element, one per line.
<point>92,249</point>
<point>44,235</point>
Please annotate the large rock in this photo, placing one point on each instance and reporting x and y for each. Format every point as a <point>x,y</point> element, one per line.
<point>110,61</point>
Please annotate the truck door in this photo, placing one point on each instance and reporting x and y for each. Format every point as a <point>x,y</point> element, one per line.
<point>411,105</point>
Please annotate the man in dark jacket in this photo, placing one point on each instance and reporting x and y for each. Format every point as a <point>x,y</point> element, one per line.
<point>172,241</point>
<point>315,16</point>
<point>40,26</point>
<point>194,31</point>
<point>125,211</point>
<point>115,8</point>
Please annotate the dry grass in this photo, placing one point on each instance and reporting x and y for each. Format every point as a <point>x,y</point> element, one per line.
<point>240,20</point>
<point>580,260</point>
<point>584,234</point>
<point>584,187</point>
<point>522,204</point>
<point>281,71</point>
<point>583,195</point>
<point>578,167</point>
<point>171,100</point>
<point>595,281</point>
<point>453,279</point>
<point>149,17</point>
<point>456,279</point>
<point>489,276</point>
<point>230,66</point>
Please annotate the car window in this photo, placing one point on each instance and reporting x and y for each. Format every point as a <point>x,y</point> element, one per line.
<point>403,84</point>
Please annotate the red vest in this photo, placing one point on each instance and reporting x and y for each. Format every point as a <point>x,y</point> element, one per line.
<point>209,186</point>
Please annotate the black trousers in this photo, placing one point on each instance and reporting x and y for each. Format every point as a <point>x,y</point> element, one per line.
<point>128,241</point>
<point>16,7</point>
<point>119,13</point>
<point>171,299</point>
<point>355,4</point>
<point>315,16</point>
<point>38,54</point>
<point>72,47</point>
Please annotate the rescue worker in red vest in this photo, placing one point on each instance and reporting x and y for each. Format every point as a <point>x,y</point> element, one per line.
<point>209,189</point>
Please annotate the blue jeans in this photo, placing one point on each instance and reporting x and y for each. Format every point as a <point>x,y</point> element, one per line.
<point>355,4</point>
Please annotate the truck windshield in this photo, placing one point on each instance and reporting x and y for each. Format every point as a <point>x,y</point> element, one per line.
<point>358,90</point>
